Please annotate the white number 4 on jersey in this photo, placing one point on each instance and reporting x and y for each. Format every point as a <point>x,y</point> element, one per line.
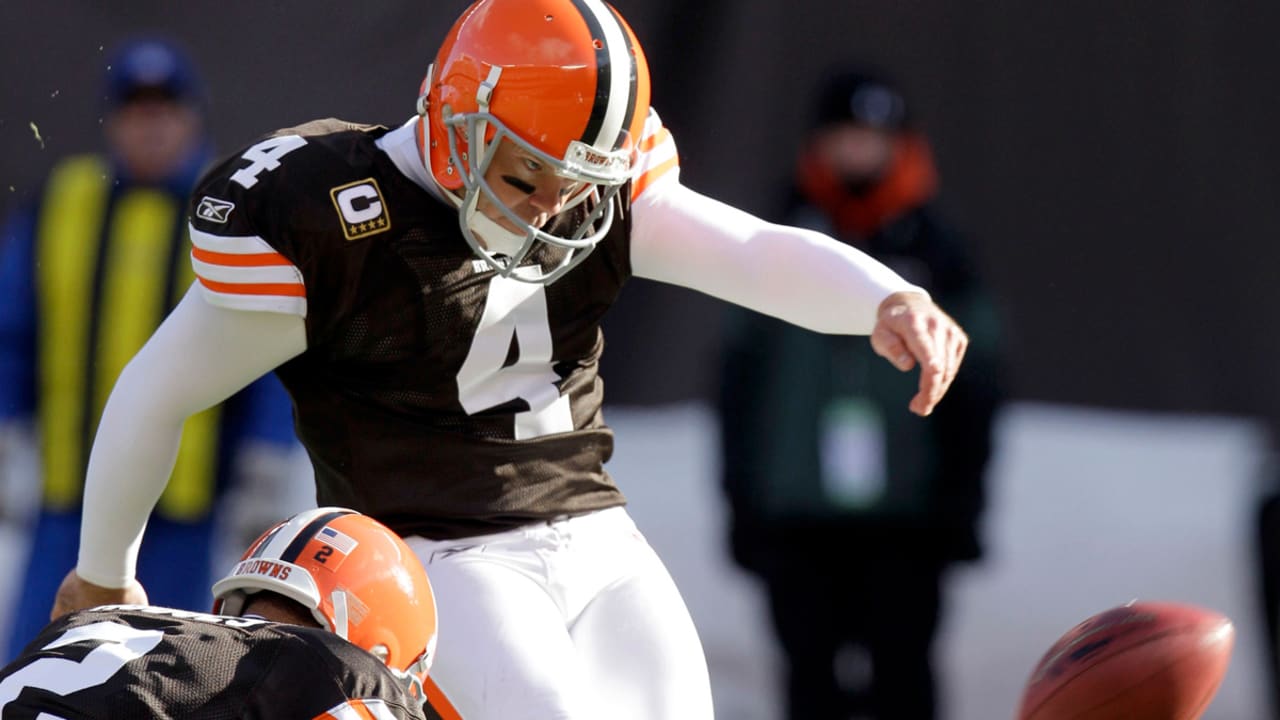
<point>515,309</point>
<point>266,156</point>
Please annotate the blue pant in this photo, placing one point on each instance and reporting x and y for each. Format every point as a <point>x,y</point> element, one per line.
<point>174,565</point>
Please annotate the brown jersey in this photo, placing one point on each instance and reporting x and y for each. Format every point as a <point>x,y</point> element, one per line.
<point>434,394</point>
<point>123,662</point>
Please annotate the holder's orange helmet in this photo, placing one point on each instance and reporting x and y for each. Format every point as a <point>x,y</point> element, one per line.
<point>563,79</point>
<point>358,578</point>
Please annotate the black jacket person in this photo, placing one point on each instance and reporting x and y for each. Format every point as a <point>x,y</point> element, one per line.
<point>846,506</point>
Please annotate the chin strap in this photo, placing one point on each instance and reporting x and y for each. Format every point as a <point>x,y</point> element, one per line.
<point>340,625</point>
<point>418,670</point>
<point>413,683</point>
<point>476,143</point>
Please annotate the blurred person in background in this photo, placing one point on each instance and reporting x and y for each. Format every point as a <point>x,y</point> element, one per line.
<point>87,272</point>
<point>848,507</point>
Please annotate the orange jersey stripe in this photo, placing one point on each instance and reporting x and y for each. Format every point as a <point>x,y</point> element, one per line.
<point>238,259</point>
<point>438,702</point>
<point>652,141</point>
<point>361,710</point>
<point>653,174</point>
<point>290,289</point>
<point>349,710</point>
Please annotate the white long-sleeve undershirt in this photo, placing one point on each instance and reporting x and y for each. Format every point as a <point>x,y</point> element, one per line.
<point>806,278</point>
<point>199,356</point>
<point>202,353</point>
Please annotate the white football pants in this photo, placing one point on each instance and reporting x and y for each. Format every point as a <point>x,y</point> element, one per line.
<point>573,619</point>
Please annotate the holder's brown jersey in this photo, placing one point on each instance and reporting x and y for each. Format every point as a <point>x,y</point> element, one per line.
<point>126,662</point>
<point>435,395</point>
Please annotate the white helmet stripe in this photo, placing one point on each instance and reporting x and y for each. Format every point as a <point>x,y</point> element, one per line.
<point>616,85</point>
<point>300,527</point>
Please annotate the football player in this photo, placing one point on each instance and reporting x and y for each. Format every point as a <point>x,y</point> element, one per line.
<point>327,616</point>
<point>431,296</point>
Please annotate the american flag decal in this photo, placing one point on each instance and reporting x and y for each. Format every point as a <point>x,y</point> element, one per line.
<point>339,541</point>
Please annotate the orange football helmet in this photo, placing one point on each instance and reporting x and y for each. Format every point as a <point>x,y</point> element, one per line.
<point>358,578</point>
<point>565,80</point>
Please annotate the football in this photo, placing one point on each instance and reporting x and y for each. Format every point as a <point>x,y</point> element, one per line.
<point>1140,661</point>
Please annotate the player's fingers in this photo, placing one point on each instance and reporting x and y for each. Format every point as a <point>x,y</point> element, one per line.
<point>959,343</point>
<point>918,331</point>
<point>933,384</point>
<point>934,365</point>
<point>902,330</point>
<point>889,345</point>
<point>910,333</point>
<point>936,376</point>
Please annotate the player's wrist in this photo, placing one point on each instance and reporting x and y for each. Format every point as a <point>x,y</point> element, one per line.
<point>95,578</point>
<point>906,295</point>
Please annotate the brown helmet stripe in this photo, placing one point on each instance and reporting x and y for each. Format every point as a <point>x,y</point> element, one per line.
<point>615,76</point>
<point>631,94</point>
<point>300,540</point>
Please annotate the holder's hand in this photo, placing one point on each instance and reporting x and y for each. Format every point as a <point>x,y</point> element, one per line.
<point>76,593</point>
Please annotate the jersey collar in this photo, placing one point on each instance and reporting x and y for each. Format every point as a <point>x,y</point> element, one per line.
<point>401,146</point>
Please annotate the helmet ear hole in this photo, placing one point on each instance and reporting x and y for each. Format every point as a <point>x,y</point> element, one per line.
<point>380,651</point>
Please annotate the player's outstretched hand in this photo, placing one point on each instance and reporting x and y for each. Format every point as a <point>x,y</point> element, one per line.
<point>910,330</point>
<point>76,593</point>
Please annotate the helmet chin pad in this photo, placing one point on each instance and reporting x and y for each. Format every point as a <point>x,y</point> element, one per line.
<point>495,238</point>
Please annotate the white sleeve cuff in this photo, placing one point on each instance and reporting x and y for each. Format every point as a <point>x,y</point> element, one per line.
<point>243,272</point>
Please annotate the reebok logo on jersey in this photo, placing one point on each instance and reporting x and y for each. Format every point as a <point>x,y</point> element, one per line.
<point>214,210</point>
<point>361,208</point>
